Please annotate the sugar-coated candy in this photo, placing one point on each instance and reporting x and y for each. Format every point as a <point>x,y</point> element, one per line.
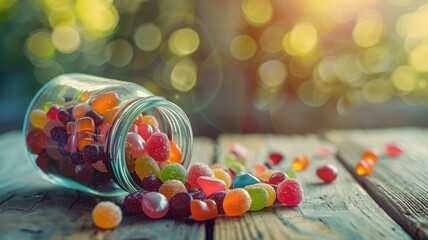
<point>85,124</point>
<point>145,165</point>
<point>104,102</point>
<point>203,210</point>
<point>269,189</point>
<point>59,134</point>
<point>364,167</point>
<point>198,194</point>
<point>173,171</point>
<point>146,130</point>
<point>218,198</point>
<point>236,166</point>
<point>275,158</point>
<point>195,171</point>
<point>239,151</point>
<point>217,166</point>
<point>259,198</point>
<point>236,202</point>
<point>179,205</point>
<point>137,143</point>
<point>327,173</point>
<point>290,192</point>
<point>265,176</point>
<point>38,118</point>
<point>132,201</point>
<point>223,175</point>
<point>150,119</point>
<point>157,146</point>
<point>244,179</point>
<point>211,185</point>
<point>106,215</point>
<point>370,155</point>
<point>175,155</point>
<point>154,205</point>
<point>301,163</point>
<point>83,173</point>
<point>162,164</point>
<point>151,183</point>
<point>36,140</point>
<point>172,187</point>
<point>325,149</point>
<point>80,110</point>
<point>259,169</point>
<point>277,177</point>
<point>393,150</point>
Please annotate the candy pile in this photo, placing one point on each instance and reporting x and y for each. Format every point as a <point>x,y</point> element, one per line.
<point>370,157</point>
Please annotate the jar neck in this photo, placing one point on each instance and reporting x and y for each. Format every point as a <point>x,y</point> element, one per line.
<point>172,121</point>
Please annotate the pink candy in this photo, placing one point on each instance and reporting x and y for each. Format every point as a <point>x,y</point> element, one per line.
<point>146,130</point>
<point>158,147</point>
<point>137,144</point>
<point>211,185</point>
<point>197,170</point>
<point>290,192</point>
<point>393,150</point>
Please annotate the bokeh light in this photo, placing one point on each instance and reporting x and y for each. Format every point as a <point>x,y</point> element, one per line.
<point>257,12</point>
<point>183,75</point>
<point>148,37</point>
<point>242,47</point>
<point>184,41</point>
<point>66,39</point>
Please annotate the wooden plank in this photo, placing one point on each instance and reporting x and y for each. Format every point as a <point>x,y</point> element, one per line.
<point>31,207</point>
<point>399,185</point>
<point>340,210</point>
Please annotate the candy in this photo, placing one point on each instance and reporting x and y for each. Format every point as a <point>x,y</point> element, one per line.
<point>198,195</point>
<point>370,155</point>
<point>270,191</point>
<point>52,149</point>
<point>211,185</point>
<point>151,183</point>
<point>139,119</point>
<point>236,202</point>
<point>149,119</point>
<point>59,134</point>
<point>38,118</point>
<point>172,187</point>
<point>93,152</point>
<point>196,170</point>
<point>327,173</point>
<point>325,149</point>
<point>80,110</point>
<point>36,140</point>
<point>100,166</point>
<point>364,168</point>
<point>223,175</point>
<point>301,163</point>
<point>51,124</point>
<point>84,139</point>
<point>218,198</point>
<point>129,159</point>
<point>179,205</point>
<point>106,215</point>
<point>105,102</point>
<point>236,166</point>
<point>42,162</point>
<point>277,177</point>
<point>158,147</point>
<point>265,176</point>
<point>244,179</point>
<point>393,150</point>
<point>52,113</point>
<point>154,205</point>
<point>239,151</point>
<point>145,165</point>
<point>64,116</point>
<point>259,169</point>
<point>132,201</point>
<point>66,167</point>
<point>275,158</point>
<point>137,144</point>
<point>173,171</point>
<point>290,192</point>
<point>175,155</point>
<point>98,119</point>
<point>133,128</point>
<point>103,132</point>
<point>85,124</point>
<point>259,198</point>
<point>146,130</point>
<point>291,174</point>
<point>83,173</point>
<point>203,210</point>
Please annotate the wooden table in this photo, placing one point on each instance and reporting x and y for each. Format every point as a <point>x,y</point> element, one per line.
<point>392,203</point>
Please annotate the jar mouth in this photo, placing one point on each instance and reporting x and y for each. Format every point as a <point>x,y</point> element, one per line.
<point>172,121</point>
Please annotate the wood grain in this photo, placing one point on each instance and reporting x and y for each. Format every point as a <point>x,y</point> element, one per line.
<point>340,210</point>
<point>32,208</point>
<point>399,185</point>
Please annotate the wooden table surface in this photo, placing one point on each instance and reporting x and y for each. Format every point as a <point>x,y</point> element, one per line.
<point>392,203</point>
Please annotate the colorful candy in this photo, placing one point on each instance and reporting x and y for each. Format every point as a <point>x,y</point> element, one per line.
<point>259,197</point>
<point>244,179</point>
<point>132,201</point>
<point>277,177</point>
<point>327,173</point>
<point>275,158</point>
<point>223,175</point>
<point>269,189</point>
<point>393,150</point>
<point>370,155</point>
<point>301,163</point>
<point>154,205</point>
<point>137,144</point>
<point>175,155</point>
<point>151,183</point>
<point>211,185</point>
<point>197,170</point>
<point>179,205</point>
<point>203,210</point>
<point>106,215</point>
<point>172,187</point>
<point>236,202</point>
<point>173,171</point>
<point>290,192</point>
<point>218,198</point>
<point>158,147</point>
<point>364,167</point>
<point>104,102</point>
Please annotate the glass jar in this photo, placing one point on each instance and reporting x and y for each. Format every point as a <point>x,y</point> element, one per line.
<point>86,132</point>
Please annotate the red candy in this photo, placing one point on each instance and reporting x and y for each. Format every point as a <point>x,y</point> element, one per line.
<point>275,158</point>
<point>290,192</point>
<point>203,210</point>
<point>36,140</point>
<point>327,173</point>
<point>211,185</point>
<point>277,177</point>
<point>157,147</point>
<point>393,150</point>
<point>197,170</point>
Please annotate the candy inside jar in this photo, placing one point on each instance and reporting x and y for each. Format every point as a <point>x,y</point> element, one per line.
<point>103,136</point>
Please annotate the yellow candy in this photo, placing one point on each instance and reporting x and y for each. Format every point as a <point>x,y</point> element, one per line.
<point>223,175</point>
<point>38,118</point>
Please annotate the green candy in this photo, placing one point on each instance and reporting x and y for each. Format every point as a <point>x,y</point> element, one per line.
<point>291,174</point>
<point>237,166</point>
<point>173,171</point>
<point>259,197</point>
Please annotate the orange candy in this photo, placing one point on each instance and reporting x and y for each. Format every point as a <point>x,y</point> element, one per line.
<point>80,110</point>
<point>301,163</point>
<point>370,155</point>
<point>86,124</point>
<point>149,119</point>
<point>139,120</point>
<point>175,155</point>
<point>259,169</point>
<point>84,139</point>
<point>203,210</point>
<point>85,96</point>
<point>236,202</point>
<point>172,187</point>
<point>105,102</point>
<point>364,167</point>
<point>107,215</point>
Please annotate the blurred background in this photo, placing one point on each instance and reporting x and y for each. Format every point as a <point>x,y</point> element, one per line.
<point>278,66</point>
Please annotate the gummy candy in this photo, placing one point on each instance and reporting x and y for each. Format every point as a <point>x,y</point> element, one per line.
<point>179,205</point>
<point>85,124</point>
<point>80,110</point>
<point>211,185</point>
<point>149,119</point>
<point>275,158</point>
<point>84,173</point>
<point>218,198</point>
<point>146,130</point>
<point>157,146</point>
<point>151,183</point>
<point>393,150</point>
<point>98,119</point>
<point>172,187</point>
<point>198,195</point>
<point>196,170</point>
<point>133,128</point>
<point>175,155</point>
<point>145,165</point>
<point>277,177</point>
<point>83,139</point>
<point>93,152</point>
<point>223,175</point>
<point>301,163</point>
<point>139,120</point>
<point>66,167</point>
<point>52,113</point>
<point>269,189</point>
<point>364,167</point>
<point>244,179</point>
<point>154,205</point>
<point>236,202</point>
<point>36,140</point>
<point>291,174</point>
<point>129,159</point>
<point>106,215</point>
<point>51,124</point>
<point>239,151</point>
<point>137,144</point>
<point>52,149</point>
<point>265,176</point>
<point>370,155</point>
<point>259,169</point>
<point>259,198</point>
<point>132,201</point>
<point>232,173</point>
<point>103,132</point>
<point>64,116</point>
<point>100,166</point>
<point>42,162</point>
<point>105,102</point>
<point>203,210</point>
<point>236,166</point>
<point>290,192</point>
<point>327,173</point>
<point>38,118</point>
<point>173,171</point>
